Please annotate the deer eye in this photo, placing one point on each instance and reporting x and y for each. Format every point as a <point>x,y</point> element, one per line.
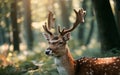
<point>51,43</point>
<point>60,42</point>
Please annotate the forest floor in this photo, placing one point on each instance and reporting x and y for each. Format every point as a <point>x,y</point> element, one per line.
<point>35,62</point>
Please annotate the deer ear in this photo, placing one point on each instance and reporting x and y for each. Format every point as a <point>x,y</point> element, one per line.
<point>46,36</point>
<point>67,36</point>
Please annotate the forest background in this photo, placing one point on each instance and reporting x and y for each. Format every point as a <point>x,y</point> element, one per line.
<point>22,44</point>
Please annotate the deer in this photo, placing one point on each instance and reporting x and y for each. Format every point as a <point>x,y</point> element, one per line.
<point>66,64</point>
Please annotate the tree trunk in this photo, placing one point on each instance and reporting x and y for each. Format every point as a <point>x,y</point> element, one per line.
<point>82,26</point>
<point>14,25</point>
<point>2,35</point>
<point>65,12</point>
<point>27,24</point>
<point>7,24</point>
<point>91,28</point>
<point>118,13</point>
<point>108,32</point>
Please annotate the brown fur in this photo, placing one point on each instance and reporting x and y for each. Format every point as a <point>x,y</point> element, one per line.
<point>91,66</point>
<point>98,66</point>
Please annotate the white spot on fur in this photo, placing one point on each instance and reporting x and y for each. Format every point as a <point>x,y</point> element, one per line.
<point>90,65</point>
<point>91,73</point>
<point>105,69</point>
<point>87,73</point>
<point>114,63</point>
<point>118,60</point>
<point>105,73</point>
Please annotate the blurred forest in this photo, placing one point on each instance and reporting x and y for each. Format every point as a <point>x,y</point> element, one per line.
<point>22,44</point>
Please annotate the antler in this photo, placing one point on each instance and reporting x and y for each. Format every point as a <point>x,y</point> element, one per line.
<point>51,21</point>
<point>79,19</point>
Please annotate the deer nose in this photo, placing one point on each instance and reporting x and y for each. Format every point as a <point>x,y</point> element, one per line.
<point>48,51</point>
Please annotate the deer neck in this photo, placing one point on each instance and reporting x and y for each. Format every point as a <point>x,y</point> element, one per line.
<point>65,64</point>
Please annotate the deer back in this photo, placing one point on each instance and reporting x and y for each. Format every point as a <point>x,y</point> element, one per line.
<point>98,66</point>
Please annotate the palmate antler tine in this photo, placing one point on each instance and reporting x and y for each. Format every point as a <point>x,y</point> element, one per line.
<point>79,19</point>
<point>82,12</point>
<point>46,29</point>
<point>50,24</point>
<point>51,20</point>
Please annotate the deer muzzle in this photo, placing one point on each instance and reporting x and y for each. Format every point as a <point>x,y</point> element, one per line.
<point>48,51</point>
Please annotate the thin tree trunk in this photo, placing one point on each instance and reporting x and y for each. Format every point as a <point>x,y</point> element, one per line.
<point>2,35</point>
<point>27,24</point>
<point>91,29</point>
<point>82,26</point>
<point>14,25</point>
<point>118,13</point>
<point>7,27</point>
<point>65,12</point>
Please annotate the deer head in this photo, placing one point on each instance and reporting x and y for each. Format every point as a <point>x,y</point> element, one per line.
<point>57,43</point>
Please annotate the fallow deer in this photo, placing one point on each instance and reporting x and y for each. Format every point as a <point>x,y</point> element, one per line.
<point>64,61</point>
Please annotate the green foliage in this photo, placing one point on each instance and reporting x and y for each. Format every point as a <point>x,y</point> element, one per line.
<point>112,52</point>
<point>28,66</point>
<point>10,70</point>
<point>73,44</point>
<point>5,7</point>
<point>46,66</point>
<point>35,64</point>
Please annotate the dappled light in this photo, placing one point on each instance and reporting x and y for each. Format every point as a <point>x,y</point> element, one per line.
<point>23,22</point>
